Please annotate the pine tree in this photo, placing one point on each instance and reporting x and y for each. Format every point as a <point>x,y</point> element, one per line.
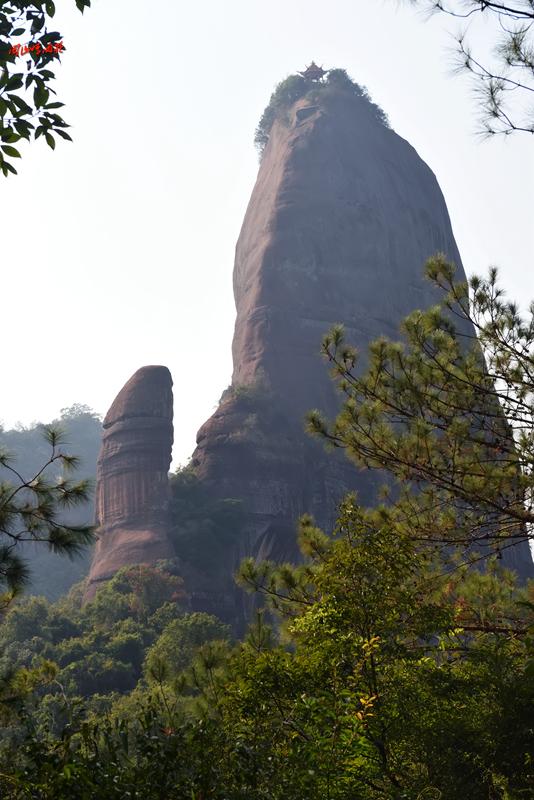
<point>30,511</point>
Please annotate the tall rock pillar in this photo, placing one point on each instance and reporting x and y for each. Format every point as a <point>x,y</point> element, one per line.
<point>132,485</point>
<point>341,220</point>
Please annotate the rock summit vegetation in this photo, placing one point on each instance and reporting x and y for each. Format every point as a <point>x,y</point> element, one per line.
<point>296,86</point>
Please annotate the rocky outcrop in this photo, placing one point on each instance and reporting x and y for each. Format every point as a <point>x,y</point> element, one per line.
<point>132,486</point>
<point>341,220</point>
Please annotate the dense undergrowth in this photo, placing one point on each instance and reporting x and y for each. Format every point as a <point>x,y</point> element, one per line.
<point>370,684</point>
<point>399,659</point>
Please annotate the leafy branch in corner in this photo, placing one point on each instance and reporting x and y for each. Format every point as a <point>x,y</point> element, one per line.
<point>504,80</point>
<point>27,108</point>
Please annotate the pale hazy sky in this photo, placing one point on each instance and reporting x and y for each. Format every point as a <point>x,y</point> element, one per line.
<point>117,250</point>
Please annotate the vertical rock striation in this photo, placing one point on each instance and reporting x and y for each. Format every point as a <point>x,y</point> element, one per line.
<point>341,220</point>
<point>132,485</point>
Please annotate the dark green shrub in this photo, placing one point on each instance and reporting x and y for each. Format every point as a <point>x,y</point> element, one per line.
<point>203,528</point>
<point>286,93</point>
<point>294,87</point>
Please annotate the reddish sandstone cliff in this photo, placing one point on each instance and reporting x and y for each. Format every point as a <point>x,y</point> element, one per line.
<point>341,220</point>
<point>132,491</point>
<point>343,215</point>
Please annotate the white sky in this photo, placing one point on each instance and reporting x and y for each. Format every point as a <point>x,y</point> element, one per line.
<point>117,250</point>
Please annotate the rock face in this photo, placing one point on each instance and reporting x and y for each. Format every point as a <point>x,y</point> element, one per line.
<point>132,486</point>
<point>341,220</point>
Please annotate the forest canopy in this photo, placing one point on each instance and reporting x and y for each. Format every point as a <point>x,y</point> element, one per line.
<point>383,665</point>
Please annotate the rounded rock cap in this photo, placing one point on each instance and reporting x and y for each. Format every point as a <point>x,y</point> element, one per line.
<point>148,393</point>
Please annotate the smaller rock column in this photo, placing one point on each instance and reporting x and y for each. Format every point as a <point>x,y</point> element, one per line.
<point>132,485</point>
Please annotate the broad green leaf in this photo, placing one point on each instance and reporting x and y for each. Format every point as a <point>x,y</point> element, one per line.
<point>10,151</point>
<point>37,24</point>
<point>50,36</point>
<point>23,127</point>
<point>40,95</point>
<point>50,140</point>
<point>56,120</point>
<point>6,134</point>
<point>15,82</point>
<point>22,104</point>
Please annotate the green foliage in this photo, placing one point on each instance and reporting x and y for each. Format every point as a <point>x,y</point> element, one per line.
<point>34,615</point>
<point>98,673</point>
<point>285,94</point>
<point>26,108</point>
<point>448,412</point>
<point>134,592</point>
<point>203,529</point>
<point>294,87</point>
<point>339,79</point>
<point>391,670</point>
<point>248,396</point>
<point>146,761</point>
<point>82,428</point>
<point>395,680</point>
<point>31,510</point>
<point>179,642</point>
<point>399,683</point>
<point>503,72</point>
<point>66,662</point>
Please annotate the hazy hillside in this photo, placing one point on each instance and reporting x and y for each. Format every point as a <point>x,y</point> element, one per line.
<point>52,575</point>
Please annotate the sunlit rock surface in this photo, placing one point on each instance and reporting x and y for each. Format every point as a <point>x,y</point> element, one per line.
<point>341,220</point>
<point>132,490</point>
